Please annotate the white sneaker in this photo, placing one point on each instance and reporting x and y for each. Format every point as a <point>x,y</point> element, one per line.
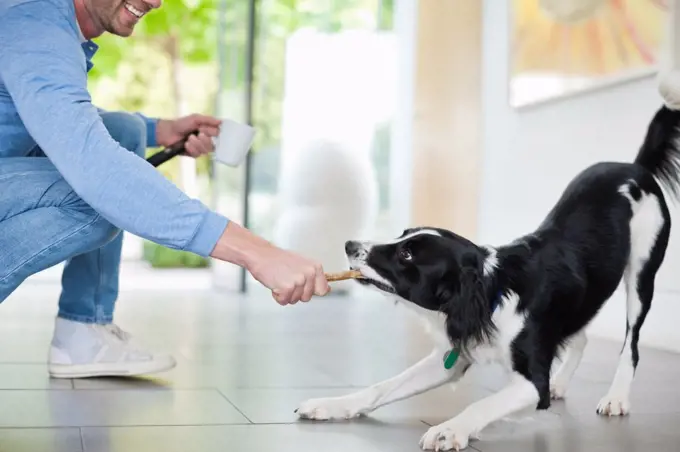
<point>81,350</point>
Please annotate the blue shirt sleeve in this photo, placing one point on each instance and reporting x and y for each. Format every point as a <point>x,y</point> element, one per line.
<point>151,124</point>
<point>150,130</point>
<point>43,68</point>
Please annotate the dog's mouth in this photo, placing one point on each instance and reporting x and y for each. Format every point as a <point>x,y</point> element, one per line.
<point>377,284</point>
<point>366,280</point>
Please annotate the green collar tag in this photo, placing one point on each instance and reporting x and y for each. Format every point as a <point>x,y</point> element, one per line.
<point>450,359</point>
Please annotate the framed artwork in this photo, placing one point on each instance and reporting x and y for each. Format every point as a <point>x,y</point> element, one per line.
<point>562,47</point>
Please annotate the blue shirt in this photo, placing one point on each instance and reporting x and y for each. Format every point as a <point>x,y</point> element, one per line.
<point>44,101</point>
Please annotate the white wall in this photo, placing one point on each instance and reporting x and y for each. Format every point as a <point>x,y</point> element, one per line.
<point>520,184</point>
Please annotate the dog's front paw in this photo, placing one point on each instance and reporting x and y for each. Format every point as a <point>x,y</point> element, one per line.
<point>326,409</point>
<point>613,405</point>
<point>450,435</point>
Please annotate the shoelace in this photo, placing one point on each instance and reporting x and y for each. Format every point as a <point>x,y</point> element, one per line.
<point>125,337</point>
<point>118,332</point>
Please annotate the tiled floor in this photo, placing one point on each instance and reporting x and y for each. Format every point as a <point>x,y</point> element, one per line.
<point>245,364</point>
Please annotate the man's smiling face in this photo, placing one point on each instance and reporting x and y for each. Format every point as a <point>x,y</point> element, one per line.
<point>117,17</point>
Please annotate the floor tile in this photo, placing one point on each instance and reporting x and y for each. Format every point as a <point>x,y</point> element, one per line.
<point>356,437</point>
<point>244,358</point>
<point>205,375</point>
<point>21,348</point>
<point>40,439</point>
<point>126,407</point>
<point>643,433</point>
<point>583,396</point>
<point>29,376</point>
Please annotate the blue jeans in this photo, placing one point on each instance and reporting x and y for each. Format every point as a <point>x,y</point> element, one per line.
<point>43,223</point>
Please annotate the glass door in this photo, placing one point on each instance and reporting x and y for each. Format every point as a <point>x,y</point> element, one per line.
<point>308,74</point>
<point>234,43</point>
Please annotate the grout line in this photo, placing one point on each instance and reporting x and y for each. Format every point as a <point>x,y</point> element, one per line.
<point>224,396</point>
<point>82,438</point>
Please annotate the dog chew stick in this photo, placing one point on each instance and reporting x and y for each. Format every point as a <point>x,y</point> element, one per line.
<point>342,276</point>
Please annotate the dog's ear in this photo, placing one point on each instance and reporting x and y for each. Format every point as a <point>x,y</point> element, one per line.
<point>463,298</point>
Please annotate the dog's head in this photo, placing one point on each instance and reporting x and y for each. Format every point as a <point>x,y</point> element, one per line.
<point>434,269</point>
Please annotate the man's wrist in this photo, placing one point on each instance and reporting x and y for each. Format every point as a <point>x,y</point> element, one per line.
<point>239,246</point>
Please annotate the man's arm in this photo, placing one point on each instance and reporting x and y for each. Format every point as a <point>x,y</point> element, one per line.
<point>43,68</point>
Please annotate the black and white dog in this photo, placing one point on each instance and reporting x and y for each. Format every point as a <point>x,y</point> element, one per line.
<point>521,303</point>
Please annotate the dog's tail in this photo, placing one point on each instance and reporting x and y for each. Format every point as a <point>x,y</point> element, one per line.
<point>660,151</point>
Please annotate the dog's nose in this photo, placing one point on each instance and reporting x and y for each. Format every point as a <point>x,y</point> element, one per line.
<point>351,247</point>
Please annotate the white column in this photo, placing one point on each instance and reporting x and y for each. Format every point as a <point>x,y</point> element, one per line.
<point>447,116</point>
<point>674,34</point>
<point>401,152</point>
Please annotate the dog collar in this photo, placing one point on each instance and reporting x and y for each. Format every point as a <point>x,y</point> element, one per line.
<point>452,355</point>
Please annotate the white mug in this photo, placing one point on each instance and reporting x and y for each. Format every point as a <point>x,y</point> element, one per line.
<point>233,142</point>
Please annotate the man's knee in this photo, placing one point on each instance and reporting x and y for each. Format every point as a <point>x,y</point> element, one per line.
<point>100,232</point>
<point>96,231</point>
<point>127,129</point>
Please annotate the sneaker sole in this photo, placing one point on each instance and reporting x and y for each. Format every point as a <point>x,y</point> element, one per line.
<point>110,369</point>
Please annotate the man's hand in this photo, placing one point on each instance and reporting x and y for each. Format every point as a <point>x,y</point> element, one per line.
<point>290,277</point>
<point>169,131</point>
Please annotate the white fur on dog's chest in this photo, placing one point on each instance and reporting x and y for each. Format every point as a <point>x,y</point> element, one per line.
<point>508,325</point>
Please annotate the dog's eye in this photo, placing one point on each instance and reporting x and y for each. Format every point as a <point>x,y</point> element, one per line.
<point>405,254</point>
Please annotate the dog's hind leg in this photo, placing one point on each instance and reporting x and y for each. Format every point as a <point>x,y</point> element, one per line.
<point>572,358</point>
<point>428,373</point>
<point>650,229</point>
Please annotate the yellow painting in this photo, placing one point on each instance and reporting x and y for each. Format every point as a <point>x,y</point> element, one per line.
<point>560,47</point>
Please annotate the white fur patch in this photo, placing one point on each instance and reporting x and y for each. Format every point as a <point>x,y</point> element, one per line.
<point>625,191</point>
<point>491,261</point>
<point>669,88</point>
<point>508,325</point>
<point>562,377</point>
<point>368,244</point>
<point>645,225</point>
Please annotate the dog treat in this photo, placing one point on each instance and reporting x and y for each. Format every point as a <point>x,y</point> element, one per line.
<point>350,274</point>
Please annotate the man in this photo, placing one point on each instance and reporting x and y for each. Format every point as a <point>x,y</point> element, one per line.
<point>72,177</point>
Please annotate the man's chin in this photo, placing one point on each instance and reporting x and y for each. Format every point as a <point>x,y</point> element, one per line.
<point>120,30</point>
<point>123,31</point>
